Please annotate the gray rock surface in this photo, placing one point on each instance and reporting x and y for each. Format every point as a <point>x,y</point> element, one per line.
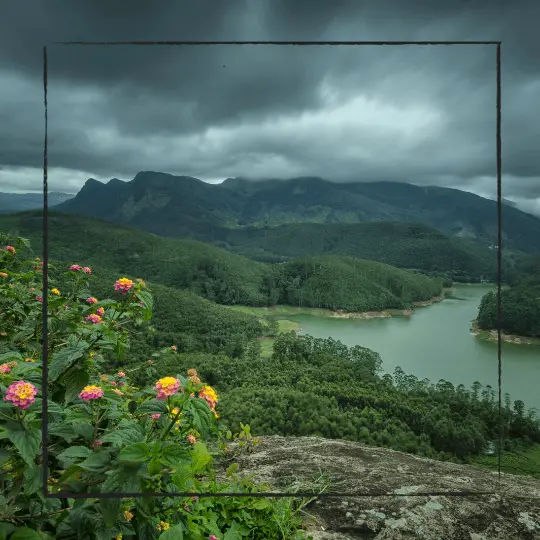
<point>307,462</point>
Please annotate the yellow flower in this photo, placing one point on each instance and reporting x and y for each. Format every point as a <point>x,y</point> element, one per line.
<point>118,537</point>
<point>92,354</point>
<point>28,359</point>
<point>163,526</point>
<point>55,291</point>
<point>128,516</point>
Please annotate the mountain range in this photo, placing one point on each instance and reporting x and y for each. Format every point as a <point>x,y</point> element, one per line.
<point>18,202</point>
<point>183,206</point>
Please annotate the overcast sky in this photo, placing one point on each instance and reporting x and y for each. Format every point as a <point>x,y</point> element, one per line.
<point>424,115</point>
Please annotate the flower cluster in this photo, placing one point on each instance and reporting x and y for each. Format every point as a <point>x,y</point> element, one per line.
<point>210,396</point>
<point>21,394</point>
<point>93,318</point>
<point>79,268</point>
<point>91,392</point>
<point>167,386</point>
<point>193,376</point>
<point>123,285</point>
<point>163,526</point>
<point>54,290</point>
<point>6,368</point>
<point>11,249</point>
<point>92,300</point>
<point>3,274</point>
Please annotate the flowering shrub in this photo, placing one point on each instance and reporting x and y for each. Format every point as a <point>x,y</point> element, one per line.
<point>106,435</point>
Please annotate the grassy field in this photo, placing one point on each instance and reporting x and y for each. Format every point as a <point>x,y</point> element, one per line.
<point>525,462</point>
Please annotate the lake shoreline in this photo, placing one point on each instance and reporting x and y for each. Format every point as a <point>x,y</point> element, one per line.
<point>492,336</point>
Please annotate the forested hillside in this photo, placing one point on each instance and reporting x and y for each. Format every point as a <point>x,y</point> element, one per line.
<point>221,276</point>
<point>520,303</point>
<point>404,245</point>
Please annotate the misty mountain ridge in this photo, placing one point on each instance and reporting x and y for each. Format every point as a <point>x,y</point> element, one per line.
<point>185,206</point>
<point>19,202</point>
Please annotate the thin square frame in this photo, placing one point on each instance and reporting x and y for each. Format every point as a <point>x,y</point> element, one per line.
<point>44,427</point>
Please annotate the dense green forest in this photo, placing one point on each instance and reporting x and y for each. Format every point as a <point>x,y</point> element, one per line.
<point>223,277</point>
<point>405,245</point>
<point>520,302</point>
<point>321,387</point>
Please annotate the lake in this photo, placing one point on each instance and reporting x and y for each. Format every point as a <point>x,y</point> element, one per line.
<point>436,343</point>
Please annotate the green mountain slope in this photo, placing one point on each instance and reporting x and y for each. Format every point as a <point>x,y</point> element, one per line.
<point>404,245</point>
<point>184,206</point>
<point>18,202</point>
<point>221,276</point>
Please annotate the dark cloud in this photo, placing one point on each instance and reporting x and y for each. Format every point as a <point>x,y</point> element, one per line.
<point>419,114</point>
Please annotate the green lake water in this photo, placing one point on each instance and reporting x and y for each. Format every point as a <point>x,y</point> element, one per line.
<point>436,343</point>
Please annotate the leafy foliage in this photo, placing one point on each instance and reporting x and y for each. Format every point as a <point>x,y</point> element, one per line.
<point>106,434</point>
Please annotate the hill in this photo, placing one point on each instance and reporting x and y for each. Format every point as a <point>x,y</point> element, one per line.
<point>520,303</point>
<point>184,206</point>
<point>221,276</point>
<point>405,245</point>
<point>18,202</point>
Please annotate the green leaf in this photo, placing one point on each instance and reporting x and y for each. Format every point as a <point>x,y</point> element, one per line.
<point>25,533</point>
<point>96,462</point>
<point>203,418</point>
<point>173,533</point>
<point>10,356</point>
<point>110,509</point>
<point>32,479</point>
<point>127,432</point>
<point>25,440</point>
<point>5,530</point>
<point>60,429</point>
<point>152,406</point>
<point>134,453</point>
<point>236,531</point>
<point>74,453</point>
<point>200,457</point>
<point>84,430</point>
<point>63,359</point>
<point>75,380</point>
<point>175,455</point>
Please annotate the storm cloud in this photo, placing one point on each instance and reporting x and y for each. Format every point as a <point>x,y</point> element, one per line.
<point>420,114</point>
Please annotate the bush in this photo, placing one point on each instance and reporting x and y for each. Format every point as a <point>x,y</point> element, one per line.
<point>104,433</point>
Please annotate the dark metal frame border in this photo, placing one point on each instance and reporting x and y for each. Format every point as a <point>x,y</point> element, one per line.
<point>44,427</point>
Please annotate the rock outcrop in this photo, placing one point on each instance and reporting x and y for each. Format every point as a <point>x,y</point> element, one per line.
<point>513,512</point>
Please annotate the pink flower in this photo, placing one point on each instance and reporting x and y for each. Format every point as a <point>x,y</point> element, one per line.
<point>5,368</point>
<point>121,374</point>
<point>212,537</point>
<point>21,394</point>
<point>39,298</point>
<point>87,270</point>
<point>91,392</point>
<point>156,416</point>
<point>149,362</point>
<point>174,347</point>
<point>100,311</point>
<point>186,508</point>
<point>75,267</point>
<point>195,498</point>
<point>11,249</point>
<point>91,300</point>
<point>93,318</point>
<point>192,439</point>
<point>97,443</point>
<point>167,386</point>
<point>123,285</point>
<point>113,383</point>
